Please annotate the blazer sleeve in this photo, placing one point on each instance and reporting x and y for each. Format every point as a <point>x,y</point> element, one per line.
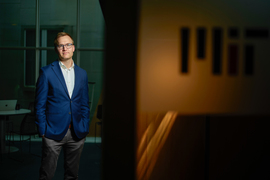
<point>85,101</point>
<point>40,101</point>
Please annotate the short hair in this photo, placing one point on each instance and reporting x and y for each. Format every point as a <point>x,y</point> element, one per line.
<point>61,34</point>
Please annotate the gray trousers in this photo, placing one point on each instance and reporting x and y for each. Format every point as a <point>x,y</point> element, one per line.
<point>72,149</point>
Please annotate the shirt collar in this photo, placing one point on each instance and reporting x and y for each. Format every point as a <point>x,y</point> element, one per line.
<point>64,67</point>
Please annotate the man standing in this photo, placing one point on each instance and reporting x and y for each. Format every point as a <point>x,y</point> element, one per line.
<point>62,110</point>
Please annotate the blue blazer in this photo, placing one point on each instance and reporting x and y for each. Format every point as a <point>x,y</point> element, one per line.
<point>55,109</point>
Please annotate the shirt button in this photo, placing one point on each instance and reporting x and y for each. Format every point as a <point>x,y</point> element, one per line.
<point>69,113</point>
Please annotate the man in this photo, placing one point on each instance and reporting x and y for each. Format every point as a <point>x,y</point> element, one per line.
<point>62,110</point>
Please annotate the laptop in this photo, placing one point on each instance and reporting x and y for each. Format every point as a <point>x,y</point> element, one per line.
<point>7,105</point>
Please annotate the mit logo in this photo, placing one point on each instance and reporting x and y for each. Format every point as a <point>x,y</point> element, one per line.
<point>217,48</point>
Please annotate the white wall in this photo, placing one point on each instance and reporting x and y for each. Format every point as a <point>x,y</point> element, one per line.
<point>162,86</point>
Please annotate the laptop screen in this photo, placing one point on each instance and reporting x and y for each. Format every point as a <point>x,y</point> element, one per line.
<point>7,105</point>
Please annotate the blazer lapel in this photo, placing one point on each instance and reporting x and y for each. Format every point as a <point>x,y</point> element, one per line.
<point>59,74</point>
<point>77,80</point>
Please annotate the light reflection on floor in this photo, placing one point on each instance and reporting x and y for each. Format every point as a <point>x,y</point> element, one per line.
<point>151,143</point>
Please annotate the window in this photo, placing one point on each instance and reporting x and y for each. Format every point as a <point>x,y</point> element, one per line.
<point>27,32</point>
<point>46,56</point>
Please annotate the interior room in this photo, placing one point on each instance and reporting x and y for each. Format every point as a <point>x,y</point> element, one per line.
<point>200,73</point>
<point>27,32</point>
<point>183,84</point>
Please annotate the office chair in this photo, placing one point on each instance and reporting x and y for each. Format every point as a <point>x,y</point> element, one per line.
<point>99,116</point>
<point>28,128</point>
<point>92,94</point>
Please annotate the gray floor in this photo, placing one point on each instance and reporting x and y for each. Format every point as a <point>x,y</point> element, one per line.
<point>28,169</point>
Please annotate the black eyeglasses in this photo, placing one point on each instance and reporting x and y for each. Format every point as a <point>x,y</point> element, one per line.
<point>61,46</point>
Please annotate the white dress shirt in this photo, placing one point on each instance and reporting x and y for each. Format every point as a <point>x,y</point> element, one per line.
<point>69,77</point>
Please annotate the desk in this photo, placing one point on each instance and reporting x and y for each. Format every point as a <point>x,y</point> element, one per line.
<point>6,114</point>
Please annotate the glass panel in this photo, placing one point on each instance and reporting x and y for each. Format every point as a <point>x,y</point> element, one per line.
<point>15,17</point>
<point>30,65</point>
<point>51,56</point>
<point>11,74</point>
<point>47,57</point>
<point>92,62</point>
<point>47,40</point>
<point>92,24</point>
<point>30,37</point>
<point>56,16</point>
<point>51,33</point>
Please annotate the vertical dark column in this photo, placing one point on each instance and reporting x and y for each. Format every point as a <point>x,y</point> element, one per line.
<point>252,33</point>
<point>184,49</point>
<point>119,112</point>
<point>201,43</point>
<point>233,59</point>
<point>217,50</point>
<point>207,147</point>
<point>249,58</point>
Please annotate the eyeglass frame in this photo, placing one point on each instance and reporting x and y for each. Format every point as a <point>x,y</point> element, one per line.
<point>67,46</point>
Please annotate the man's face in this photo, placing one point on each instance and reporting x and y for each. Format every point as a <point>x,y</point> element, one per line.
<point>65,53</point>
